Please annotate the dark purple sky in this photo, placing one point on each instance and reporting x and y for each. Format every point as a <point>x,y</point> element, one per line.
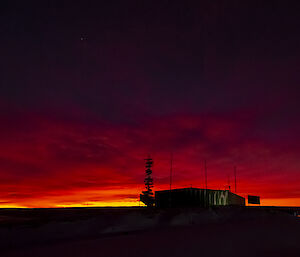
<point>89,88</point>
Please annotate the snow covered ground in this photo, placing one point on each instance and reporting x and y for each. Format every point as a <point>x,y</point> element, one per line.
<point>195,232</point>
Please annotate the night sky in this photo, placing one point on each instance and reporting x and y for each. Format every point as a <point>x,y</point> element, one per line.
<point>90,88</point>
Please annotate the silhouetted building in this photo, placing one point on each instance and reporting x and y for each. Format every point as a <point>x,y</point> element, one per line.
<point>196,197</point>
<point>253,199</point>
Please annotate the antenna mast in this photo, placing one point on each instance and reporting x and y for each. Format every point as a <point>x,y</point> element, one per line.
<point>171,173</point>
<point>235,179</point>
<point>205,173</point>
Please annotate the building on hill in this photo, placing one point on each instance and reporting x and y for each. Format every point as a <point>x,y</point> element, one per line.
<point>196,197</point>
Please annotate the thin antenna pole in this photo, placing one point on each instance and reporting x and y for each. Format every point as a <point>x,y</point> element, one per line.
<point>205,173</point>
<point>228,182</point>
<point>235,179</point>
<point>171,171</point>
<point>171,174</point>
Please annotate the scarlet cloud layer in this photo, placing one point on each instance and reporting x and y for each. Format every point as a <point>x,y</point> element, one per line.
<point>53,163</point>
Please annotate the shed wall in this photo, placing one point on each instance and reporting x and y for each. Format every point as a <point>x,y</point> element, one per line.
<point>195,197</point>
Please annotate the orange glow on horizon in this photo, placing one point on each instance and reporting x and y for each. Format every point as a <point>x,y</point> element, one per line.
<point>289,202</point>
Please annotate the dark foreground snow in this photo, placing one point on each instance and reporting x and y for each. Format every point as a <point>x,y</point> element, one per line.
<point>214,232</point>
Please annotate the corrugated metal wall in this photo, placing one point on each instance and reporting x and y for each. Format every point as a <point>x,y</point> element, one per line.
<point>195,197</point>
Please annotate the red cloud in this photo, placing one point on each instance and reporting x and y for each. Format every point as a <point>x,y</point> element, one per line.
<point>55,163</point>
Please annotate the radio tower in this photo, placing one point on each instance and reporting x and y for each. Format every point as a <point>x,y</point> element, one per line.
<point>147,196</point>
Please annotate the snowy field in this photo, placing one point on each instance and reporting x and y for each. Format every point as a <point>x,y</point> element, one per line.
<point>138,232</point>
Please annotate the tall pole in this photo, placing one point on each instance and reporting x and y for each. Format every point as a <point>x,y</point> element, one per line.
<point>205,173</point>
<point>171,174</point>
<point>171,171</point>
<point>235,179</point>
